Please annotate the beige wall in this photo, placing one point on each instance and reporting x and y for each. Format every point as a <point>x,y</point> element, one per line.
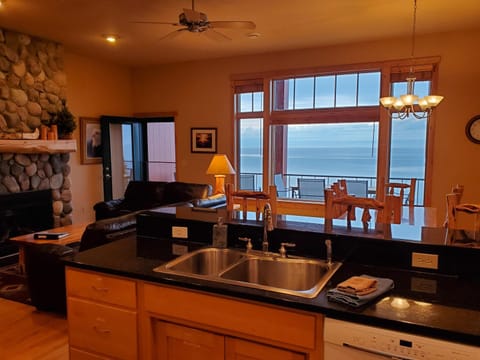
<point>200,93</point>
<point>94,88</point>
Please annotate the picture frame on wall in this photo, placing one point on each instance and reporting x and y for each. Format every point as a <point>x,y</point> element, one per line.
<point>91,147</point>
<point>204,140</point>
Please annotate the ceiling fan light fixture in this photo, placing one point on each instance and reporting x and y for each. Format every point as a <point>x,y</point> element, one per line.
<point>193,21</point>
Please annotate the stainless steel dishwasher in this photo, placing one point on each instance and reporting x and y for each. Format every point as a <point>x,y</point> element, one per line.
<point>350,341</point>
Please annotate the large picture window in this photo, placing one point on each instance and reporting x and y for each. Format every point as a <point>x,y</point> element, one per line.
<point>326,126</point>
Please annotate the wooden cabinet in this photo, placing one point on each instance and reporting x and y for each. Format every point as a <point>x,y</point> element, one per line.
<point>102,316</point>
<point>237,349</point>
<point>181,322</point>
<point>174,342</point>
<point>77,354</point>
<point>120,318</point>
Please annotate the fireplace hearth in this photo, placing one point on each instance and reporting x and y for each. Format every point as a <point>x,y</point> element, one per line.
<point>23,213</point>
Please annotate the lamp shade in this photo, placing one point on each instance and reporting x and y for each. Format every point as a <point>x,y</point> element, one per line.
<point>220,166</point>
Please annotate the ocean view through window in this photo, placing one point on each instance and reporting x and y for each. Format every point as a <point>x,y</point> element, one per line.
<point>298,129</point>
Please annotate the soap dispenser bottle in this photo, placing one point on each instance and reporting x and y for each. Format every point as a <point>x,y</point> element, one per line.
<point>219,234</point>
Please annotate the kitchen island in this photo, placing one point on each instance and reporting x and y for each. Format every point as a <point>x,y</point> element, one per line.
<point>440,305</point>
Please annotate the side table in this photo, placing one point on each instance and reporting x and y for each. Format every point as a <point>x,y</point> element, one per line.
<point>75,232</point>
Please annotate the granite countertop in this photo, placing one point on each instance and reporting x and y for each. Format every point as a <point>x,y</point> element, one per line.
<point>445,307</point>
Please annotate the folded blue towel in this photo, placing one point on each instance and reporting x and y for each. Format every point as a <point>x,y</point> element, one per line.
<point>383,285</point>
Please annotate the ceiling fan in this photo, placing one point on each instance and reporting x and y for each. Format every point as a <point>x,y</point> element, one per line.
<point>197,22</point>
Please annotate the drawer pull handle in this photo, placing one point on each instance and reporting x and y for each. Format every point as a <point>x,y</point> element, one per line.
<point>100,289</point>
<point>101,330</point>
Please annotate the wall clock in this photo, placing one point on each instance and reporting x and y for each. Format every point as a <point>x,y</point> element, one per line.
<point>472,129</point>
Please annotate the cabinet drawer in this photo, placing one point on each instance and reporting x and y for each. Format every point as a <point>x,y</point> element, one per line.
<point>99,287</point>
<point>102,328</point>
<point>261,321</point>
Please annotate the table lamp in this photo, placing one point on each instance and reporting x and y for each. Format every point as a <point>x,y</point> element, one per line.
<point>220,167</point>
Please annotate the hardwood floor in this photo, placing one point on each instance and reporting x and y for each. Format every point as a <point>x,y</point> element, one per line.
<point>28,334</point>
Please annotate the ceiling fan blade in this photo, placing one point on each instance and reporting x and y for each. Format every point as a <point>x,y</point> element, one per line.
<point>173,34</point>
<point>215,35</point>
<point>155,23</point>
<point>250,25</point>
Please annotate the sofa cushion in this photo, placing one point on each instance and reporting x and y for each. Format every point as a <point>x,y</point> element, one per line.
<point>177,191</point>
<point>211,201</point>
<point>143,195</point>
<point>104,231</point>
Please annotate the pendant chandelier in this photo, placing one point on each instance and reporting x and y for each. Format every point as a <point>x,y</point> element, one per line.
<point>410,104</point>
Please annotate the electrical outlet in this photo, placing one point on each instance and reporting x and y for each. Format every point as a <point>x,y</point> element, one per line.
<point>422,285</point>
<point>180,232</point>
<point>427,261</point>
<point>178,249</point>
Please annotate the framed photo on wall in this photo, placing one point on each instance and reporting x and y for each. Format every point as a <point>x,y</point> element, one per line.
<point>204,140</point>
<point>90,141</point>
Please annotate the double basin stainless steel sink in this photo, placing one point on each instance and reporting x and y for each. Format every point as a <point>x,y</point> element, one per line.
<point>266,271</point>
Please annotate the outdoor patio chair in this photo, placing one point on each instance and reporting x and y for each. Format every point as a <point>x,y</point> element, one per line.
<point>358,188</point>
<point>282,191</point>
<point>311,189</point>
<point>247,182</point>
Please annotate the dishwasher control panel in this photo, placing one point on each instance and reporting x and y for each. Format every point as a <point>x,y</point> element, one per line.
<point>393,344</point>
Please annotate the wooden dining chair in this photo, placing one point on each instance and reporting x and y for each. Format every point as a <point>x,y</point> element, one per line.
<point>340,204</point>
<point>455,208</point>
<point>453,199</point>
<point>242,200</point>
<point>398,189</point>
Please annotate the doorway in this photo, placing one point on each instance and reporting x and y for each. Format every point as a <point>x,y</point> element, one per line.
<point>141,149</point>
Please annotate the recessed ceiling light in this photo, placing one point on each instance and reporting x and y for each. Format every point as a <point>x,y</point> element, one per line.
<point>253,35</point>
<point>111,38</point>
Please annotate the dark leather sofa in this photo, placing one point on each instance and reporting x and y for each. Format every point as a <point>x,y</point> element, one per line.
<point>116,219</point>
<point>145,195</point>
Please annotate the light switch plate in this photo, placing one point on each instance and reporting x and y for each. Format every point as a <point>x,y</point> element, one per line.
<point>426,261</point>
<point>179,232</point>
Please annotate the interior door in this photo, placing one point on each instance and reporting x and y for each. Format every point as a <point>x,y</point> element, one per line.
<point>136,149</point>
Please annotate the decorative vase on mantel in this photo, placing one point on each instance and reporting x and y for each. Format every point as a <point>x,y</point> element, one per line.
<point>64,120</point>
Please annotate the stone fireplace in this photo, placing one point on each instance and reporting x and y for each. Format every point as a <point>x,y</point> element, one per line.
<point>30,166</point>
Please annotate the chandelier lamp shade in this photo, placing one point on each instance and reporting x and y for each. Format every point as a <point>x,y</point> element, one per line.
<point>410,104</point>
<point>220,167</point>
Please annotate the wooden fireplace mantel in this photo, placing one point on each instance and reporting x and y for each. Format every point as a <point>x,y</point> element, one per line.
<point>37,146</point>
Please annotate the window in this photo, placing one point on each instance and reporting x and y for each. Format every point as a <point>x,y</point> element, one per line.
<point>326,91</point>
<point>408,147</point>
<point>326,143</point>
<point>329,126</point>
<point>249,129</point>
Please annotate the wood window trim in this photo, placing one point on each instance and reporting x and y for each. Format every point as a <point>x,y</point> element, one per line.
<point>323,116</point>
